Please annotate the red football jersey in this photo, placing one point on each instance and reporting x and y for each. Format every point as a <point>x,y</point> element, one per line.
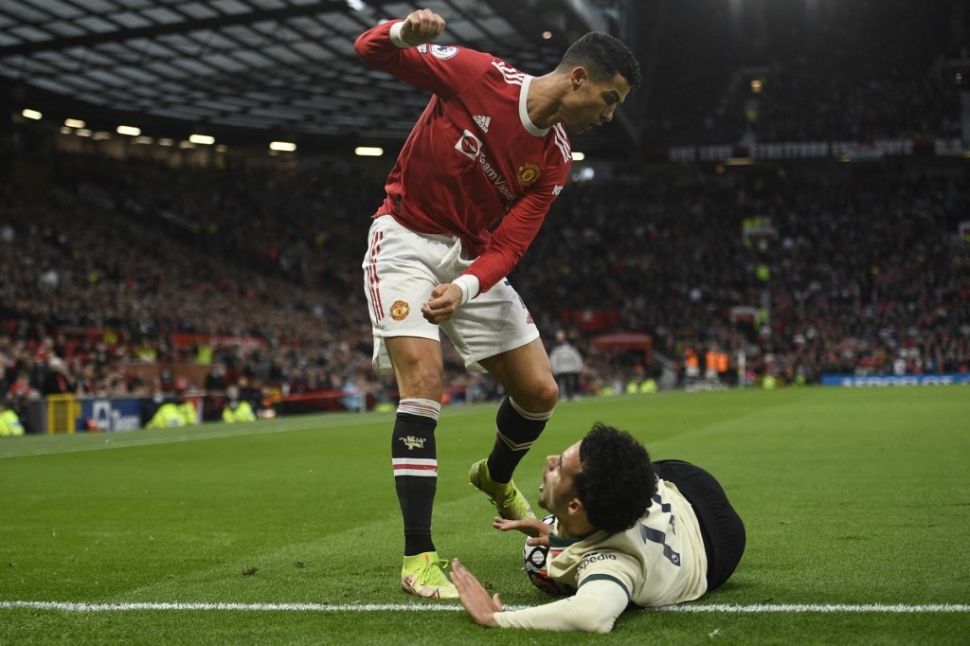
<point>474,159</point>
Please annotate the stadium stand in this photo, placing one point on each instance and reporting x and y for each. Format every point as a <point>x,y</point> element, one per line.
<point>122,273</point>
<point>865,266</point>
<point>862,271</point>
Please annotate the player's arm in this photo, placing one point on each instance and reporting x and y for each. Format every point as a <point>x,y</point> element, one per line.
<point>529,526</point>
<point>401,49</point>
<point>518,229</point>
<point>509,242</point>
<point>594,607</point>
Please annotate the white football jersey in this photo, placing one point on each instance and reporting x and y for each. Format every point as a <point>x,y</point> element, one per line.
<point>659,561</point>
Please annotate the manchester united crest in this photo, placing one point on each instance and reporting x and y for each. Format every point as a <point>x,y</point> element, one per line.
<point>400,310</point>
<point>528,173</point>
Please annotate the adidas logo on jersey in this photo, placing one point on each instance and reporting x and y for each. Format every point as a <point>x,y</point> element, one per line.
<point>482,121</point>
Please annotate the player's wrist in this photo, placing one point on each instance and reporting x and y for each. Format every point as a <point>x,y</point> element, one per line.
<point>396,37</point>
<point>469,286</point>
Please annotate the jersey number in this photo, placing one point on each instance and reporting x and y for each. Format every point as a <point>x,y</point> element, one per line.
<point>659,537</point>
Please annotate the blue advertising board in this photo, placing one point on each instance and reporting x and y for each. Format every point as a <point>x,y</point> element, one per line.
<point>117,414</point>
<point>879,381</point>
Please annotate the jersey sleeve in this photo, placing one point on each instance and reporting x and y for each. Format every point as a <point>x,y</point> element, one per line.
<point>442,70</point>
<point>518,229</point>
<point>594,608</point>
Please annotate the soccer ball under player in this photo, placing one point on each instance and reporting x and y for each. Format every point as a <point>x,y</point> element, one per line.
<point>534,559</point>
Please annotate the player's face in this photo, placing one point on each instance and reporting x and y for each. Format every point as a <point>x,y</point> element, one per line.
<point>593,103</point>
<point>558,487</point>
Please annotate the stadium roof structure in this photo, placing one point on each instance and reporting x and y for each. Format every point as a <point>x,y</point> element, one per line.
<point>257,69</point>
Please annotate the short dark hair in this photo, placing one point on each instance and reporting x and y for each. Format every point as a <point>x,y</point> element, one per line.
<point>617,481</point>
<point>604,56</point>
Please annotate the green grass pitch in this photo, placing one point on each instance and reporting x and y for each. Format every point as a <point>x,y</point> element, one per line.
<point>849,497</point>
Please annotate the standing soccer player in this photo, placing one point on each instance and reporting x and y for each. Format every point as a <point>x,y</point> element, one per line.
<point>466,197</point>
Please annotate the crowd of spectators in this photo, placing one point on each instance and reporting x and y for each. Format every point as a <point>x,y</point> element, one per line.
<point>106,264</point>
<point>863,269</point>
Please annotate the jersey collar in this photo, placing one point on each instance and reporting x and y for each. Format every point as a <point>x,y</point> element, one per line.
<point>524,112</point>
<point>557,541</point>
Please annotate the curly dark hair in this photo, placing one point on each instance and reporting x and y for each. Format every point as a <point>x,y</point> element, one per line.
<point>617,481</point>
<point>604,56</point>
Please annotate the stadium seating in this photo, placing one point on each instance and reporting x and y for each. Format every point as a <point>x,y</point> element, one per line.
<point>863,271</point>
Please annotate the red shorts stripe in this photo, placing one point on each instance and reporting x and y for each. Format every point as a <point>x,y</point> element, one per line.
<point>373,279</point>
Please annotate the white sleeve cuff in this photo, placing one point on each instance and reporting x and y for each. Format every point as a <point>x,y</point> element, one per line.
<point>396,36</point>
<point>469,285</point>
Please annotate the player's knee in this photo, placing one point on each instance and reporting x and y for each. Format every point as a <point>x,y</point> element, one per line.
<point>544,396</point>
<point>421,381</point>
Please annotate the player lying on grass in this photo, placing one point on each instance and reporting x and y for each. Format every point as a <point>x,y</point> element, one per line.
<point>625,530</point>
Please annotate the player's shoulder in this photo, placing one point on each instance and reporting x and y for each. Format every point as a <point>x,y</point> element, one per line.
<point>559,146</point>
<point>602,547</point>
<point>668,493</point>
<point>454,53</point>
<point>505,72</point>
<point>610,561</point>
<point>600,556</point>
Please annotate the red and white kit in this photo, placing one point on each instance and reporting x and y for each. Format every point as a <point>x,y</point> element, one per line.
<point>475,179</point>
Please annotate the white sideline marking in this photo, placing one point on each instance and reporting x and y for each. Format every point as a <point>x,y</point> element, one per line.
<point>67,606</point>
<point>820,607</point>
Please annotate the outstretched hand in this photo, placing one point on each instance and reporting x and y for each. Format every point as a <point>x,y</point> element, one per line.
<point>422,26</point>
<point>474,596</point>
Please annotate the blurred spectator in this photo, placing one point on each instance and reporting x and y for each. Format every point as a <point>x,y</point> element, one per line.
<point>178,412</point>
<point>9,421</point>
<point>21,389</point>
<point>236,409</point>
<point>353,395</point>
<point>567,365</point>
<point>57,380</point>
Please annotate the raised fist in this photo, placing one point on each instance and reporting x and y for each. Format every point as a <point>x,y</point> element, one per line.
<point>422,26</point>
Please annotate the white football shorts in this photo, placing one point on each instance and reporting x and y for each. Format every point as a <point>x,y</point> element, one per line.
<point>401,268</point>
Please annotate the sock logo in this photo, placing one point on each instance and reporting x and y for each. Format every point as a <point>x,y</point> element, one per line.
<point>413,442</point>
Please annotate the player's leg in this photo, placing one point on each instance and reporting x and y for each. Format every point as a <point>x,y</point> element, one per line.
<point>532,394</point>
<point>396,280</point>
<point>418,371</point>
<point>721,527</point>
<point>494,331</point>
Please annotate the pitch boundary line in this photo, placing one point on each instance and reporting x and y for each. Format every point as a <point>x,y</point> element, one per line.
<point>757,608</point>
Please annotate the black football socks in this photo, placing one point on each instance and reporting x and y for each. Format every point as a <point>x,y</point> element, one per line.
<point>415,462</point>
<point>518,430</point>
